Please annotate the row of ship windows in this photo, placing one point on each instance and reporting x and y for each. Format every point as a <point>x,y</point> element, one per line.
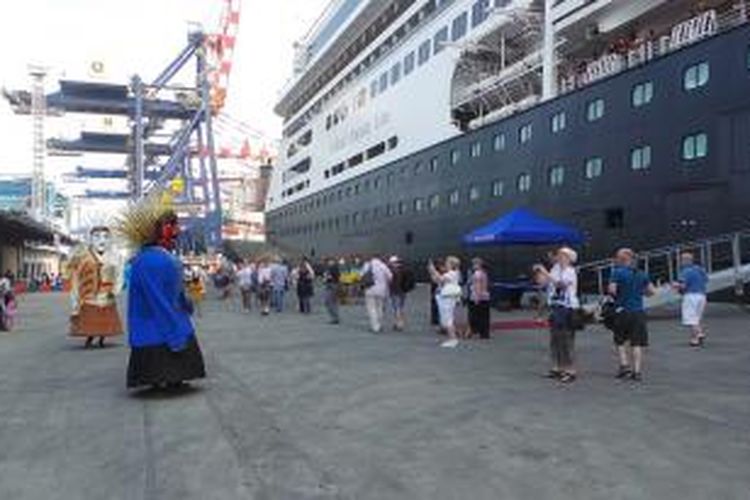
<point>458,28</point>
<point>694,147</point>
<point>641,94</point>
<point>694,77</point>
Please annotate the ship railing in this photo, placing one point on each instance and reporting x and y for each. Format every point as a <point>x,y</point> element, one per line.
<point>726,259</point>
<point>634,53</point>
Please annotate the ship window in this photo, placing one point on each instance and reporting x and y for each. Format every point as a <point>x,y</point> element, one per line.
<point>441,37</point>
<point>498,142</point>
<point>474,193</point>
<point>401,207</point>
<point>524,133</point>
<point>595,110</point>
<point>376,183</point>
<point>476,149</point>
<point>696,76</point>
<point>695,146</point>
<point>523,183</point>
<point>640,158</point>
<point>409,238</point>
<point>479,12</point>
<point>498,189</point>
<point>355,160</point>
<point>424,52</point>
<point>408,63</point>
<point>594,167</point>
<point>383,82</point>
<point>373,88</point>
<point>433,164</point>
<point>418,205</point>
<point>556,176</point>
<point>389,210</point>
<point>642,94</point>
<point>327,174</point>
<point>434,202</point>
<point>417,168</point>
<point>461,25</point>
<point>395,73</point>
<point>393,142</point>
<point>376,150</point>
<point>558,122</point>
<point>455,156</point>
<point>356,218</point>
<point>454,197</point>
<point>614,218</point>
<point>389,179</point>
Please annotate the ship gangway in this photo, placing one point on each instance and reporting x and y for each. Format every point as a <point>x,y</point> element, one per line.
<point>725,257</point>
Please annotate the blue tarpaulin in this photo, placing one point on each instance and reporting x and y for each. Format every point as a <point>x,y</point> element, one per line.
<point>523,227</point>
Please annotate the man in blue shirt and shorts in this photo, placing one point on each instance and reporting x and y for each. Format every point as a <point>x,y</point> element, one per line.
<point>628,285</point>
<point>693,282</point>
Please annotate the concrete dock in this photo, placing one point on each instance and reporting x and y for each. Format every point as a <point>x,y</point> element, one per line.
<point>294,408</point>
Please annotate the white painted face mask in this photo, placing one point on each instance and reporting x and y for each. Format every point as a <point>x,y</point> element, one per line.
<point>100,241</point>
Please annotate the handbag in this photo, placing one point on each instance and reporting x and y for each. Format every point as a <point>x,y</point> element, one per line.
<point>367,279</point>
<point>451,291</point>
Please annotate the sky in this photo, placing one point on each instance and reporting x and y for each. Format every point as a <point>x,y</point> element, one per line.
<point>141,36</point>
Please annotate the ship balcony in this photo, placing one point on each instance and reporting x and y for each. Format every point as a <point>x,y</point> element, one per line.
<point>500,73</point>
<point>618,47</point>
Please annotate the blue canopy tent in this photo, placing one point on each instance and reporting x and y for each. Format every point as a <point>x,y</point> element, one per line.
<point>523,227</point>
<point>516,228</point>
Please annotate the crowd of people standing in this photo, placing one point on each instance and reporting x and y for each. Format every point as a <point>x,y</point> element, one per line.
<point>461,302</point>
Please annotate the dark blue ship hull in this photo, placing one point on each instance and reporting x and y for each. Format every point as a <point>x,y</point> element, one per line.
<point>673,200</point>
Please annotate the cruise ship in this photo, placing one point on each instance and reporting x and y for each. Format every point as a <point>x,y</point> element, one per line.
<point>409,123</point>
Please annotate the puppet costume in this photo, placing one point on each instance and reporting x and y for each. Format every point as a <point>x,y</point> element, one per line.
<point>94,308</point>
<point>164,349</point>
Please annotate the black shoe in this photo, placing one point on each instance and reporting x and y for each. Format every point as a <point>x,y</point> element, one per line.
<point>624,372</point>
<point>636,377</point>
<point>553,374</point>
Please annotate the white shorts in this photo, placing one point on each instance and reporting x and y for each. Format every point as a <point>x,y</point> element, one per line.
<point>693,305</point>
<point>447,309</point>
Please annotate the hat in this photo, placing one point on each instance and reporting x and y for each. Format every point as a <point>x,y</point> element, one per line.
<point>570,253</point>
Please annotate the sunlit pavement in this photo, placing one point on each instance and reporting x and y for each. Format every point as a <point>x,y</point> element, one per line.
<point>295,408</point>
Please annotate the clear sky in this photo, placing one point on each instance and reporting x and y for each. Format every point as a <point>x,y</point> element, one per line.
<point>141,36</point>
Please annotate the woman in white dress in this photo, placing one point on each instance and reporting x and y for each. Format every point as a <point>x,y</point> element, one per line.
<point>447,296</point>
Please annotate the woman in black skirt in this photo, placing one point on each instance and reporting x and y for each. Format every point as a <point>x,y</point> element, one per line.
<point>164,349</point>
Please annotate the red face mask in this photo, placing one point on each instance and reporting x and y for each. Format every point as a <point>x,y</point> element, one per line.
<point>168,235</point>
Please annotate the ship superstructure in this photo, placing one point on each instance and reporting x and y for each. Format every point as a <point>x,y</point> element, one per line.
<point>411,121</point>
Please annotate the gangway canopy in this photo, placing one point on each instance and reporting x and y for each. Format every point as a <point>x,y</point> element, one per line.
<point>523,227</point>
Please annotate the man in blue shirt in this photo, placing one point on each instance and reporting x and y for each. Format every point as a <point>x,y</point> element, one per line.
<point>628,285</point>
<point>279,284</point>
<point>692,283</point>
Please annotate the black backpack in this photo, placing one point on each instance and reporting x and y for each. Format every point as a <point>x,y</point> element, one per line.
<point>408,282</point>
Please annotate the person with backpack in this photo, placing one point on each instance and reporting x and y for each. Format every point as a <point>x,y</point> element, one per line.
<point>332,282</point>
<point>628,285</point>
<point>304,277</point>
<point>402,283</point>
<point>375,279</point>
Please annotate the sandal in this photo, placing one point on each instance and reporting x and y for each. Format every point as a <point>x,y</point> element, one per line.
<point>567,378</point>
